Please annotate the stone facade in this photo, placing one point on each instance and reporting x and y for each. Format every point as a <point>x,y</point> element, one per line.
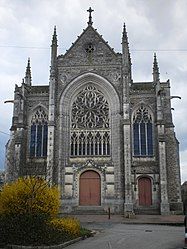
<point>94,118</point>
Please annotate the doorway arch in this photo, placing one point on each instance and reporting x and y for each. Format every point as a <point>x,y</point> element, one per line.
<point>90,189</point>
<point>145,191</point>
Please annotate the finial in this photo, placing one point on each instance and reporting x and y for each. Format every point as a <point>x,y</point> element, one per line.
<point>54,31</point>
<point>90,10</point>
<point>155,63</point>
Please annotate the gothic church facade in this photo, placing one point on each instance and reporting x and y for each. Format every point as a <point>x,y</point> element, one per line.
<point>105,140</point>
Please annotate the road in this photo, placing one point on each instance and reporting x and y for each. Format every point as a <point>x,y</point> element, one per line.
<point>124,236</point>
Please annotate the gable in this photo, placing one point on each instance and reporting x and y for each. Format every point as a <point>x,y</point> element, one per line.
<point>89,48</point>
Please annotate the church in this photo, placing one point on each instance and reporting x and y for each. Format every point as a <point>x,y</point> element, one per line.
<point>105,140</point>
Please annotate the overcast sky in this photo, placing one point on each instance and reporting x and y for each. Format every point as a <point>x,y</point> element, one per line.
<point>26,28</point>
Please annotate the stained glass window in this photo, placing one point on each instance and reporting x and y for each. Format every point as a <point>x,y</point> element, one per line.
<point>38,134</point>
<point>90,129</point>
<point>142,132</point>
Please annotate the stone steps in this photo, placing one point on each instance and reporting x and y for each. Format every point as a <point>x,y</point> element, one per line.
<point>86,210</point>
<point>147,210</point>
<point>90,210</point>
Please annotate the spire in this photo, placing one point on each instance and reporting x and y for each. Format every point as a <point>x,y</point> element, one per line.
<point>54,47</point>
<point>155,70</point>
<point>28,78</point>
<point>125,51</point>
<point>90,10</point>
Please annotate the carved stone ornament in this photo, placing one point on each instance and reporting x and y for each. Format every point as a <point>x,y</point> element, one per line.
<point>63,78</point>
<point>90,110</point>
<point>115,76</point>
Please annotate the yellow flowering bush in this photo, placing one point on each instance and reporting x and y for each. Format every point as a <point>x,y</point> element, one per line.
<point>29,195</point>
<point>69,225</point>
<point>28,212</point>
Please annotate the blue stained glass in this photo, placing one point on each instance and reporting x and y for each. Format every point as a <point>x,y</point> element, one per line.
<point>143,133</point>
<point>136,139</point>
<point>39,134</point>
<point>39,141</point>
<point>33,140</point>
<point>45,131</point>
<point>143,138</point>
<point>150,138</point>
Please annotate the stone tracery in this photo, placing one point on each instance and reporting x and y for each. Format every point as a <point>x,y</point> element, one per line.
<point>90,132</point>
<point>90,110</point>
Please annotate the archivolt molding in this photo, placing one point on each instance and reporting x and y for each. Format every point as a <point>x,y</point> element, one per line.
<point>73,88</point>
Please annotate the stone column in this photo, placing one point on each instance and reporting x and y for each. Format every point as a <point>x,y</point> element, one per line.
<point>164,205</point>
<point>51,129</point>
<point>128,205</point>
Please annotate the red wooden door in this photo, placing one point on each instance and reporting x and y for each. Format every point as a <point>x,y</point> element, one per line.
<point>145,191</point>
<point>90,189</point>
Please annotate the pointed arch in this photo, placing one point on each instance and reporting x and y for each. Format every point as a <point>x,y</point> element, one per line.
<point>142,120</point>
<point>38,133</point>
<point>67,99</point>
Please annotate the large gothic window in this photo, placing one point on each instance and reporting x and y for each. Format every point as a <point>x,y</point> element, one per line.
<point>90,129</point>
<point>38,134</point>
<point>143,132</point>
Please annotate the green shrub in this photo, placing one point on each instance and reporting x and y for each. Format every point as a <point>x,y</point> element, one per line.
<point>29,229</point>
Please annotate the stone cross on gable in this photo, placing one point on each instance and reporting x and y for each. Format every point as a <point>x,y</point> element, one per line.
<point>90,10</point>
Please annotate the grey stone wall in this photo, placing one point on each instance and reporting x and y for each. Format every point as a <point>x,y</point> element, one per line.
<point>91,60</point>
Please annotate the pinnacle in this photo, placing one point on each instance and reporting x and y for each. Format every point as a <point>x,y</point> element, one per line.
<point>28,73</point>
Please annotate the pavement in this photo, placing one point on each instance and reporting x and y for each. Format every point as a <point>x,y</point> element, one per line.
<point>137,219</point>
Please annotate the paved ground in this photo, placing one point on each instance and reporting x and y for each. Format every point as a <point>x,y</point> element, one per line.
<point>140,232</point>
<point>138,219</point>
<point>131,236</point>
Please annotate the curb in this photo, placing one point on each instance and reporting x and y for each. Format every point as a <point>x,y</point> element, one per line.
<point>59,246</point>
